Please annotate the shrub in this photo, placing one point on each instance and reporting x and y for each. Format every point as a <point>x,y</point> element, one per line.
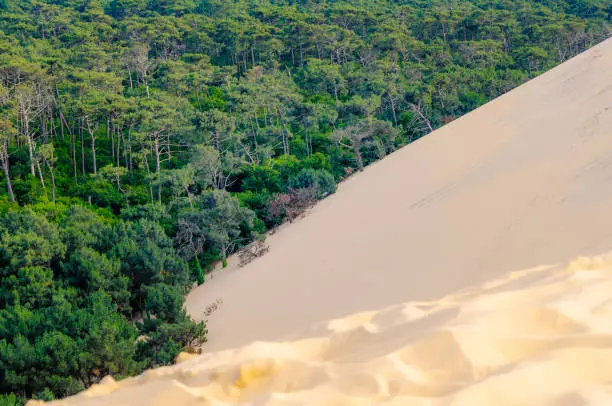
<point>322,181</point>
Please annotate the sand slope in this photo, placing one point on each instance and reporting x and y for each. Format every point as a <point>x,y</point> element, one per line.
<point>537,337</point>
<point>526,179</point>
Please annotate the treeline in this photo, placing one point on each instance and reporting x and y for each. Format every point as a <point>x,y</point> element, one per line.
<point>142,141</point>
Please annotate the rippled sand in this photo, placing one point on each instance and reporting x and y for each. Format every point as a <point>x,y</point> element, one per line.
<point>542,337</point>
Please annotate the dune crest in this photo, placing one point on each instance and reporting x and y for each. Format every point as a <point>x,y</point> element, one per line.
<point>537,337</point>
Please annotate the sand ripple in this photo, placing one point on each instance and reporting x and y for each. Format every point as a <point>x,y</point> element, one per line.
<point>538,337</point>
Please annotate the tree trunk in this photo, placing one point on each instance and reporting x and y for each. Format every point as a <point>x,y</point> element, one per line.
<point>217,141</point>
<point>129,75</point>
<point>189,197</point>
<point>73,155</point>
<point>357,151</point>
<point>60,115</point>
<point>31,152</point>
<point>82,149</point>
<point>40,175</point>
<point>301,53</point>
<point>253,131</point>
<point>30,145</point>
<point>93,147</point>
<point>5,168</point>
<point>145,82</point>
<point>110,134</point>
<point>256,123</point>
<point>149,178</point>
<point>118,136</point>
<point>43,128</point>
<point>52,180</point>
<point>169,149</point>
<point>127,202</point>
<point>158,166</point>
<point>93,155</point>
<point>129,157</point>
<point>419,112</point>
<point>392,102</point>
<point>286,132</point>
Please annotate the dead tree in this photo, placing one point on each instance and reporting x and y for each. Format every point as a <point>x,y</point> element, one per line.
<point>421,112</point>
<point>4,161</point>
<point>252,251</point>
<point>293,204</point>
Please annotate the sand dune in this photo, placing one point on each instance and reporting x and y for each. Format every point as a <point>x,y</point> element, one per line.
<point>537,337</point>
<point>526,179</point>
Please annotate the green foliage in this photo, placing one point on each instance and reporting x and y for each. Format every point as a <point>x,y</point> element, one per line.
<point>260,178</point>
<point>147,257</point>
<point>66,304</point>
<point>124,8</point>
<point>140,138</point>
<point>167,328</point>
<point>220,223</point>
<point>320,179</point>
<point>10,400</point>
<point>258,203</point>
<point>26,240</point>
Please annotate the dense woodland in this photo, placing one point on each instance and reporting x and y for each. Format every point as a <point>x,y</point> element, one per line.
<point>142,141</point>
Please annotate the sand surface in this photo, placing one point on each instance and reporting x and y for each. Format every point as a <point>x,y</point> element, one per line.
<point>524,180</point>
<point>539,337</point>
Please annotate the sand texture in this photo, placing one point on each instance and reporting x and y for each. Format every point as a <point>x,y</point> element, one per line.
<point>524,180</point>
<point>537,337</point>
